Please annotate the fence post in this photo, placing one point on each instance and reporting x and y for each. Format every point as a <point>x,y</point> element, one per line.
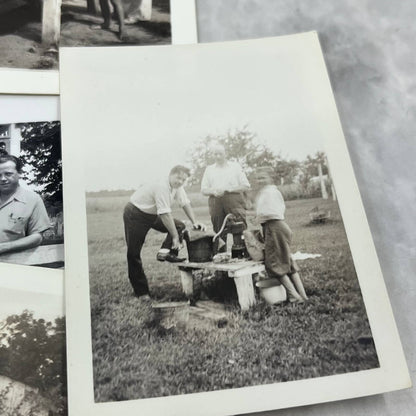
<point>322,182</point>
<point>51,22</point>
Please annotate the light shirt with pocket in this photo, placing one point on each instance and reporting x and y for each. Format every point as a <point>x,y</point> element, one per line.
<point>21,215</point>
<point>270,204</point>
<point>225,178</point>
<point>158,197</point>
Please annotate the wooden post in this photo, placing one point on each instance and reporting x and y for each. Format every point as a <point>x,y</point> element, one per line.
<point>322,182</point>
<point>187,282</point>
<point>93,6</point>
<point>146,9</point>
<point>51,22</point>
<point>334,195</point>
<point>245,291</point>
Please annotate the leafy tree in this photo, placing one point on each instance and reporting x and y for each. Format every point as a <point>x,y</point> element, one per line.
<point>32,351</point>
<point>41,148</point>
<point>240,145</point>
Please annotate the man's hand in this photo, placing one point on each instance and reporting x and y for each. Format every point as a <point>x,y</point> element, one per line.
<point>176,245</point>
<point>199,226</point>
<point>218,192</point>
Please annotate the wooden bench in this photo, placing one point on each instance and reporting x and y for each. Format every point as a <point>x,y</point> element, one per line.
<point>38,256</point>
<point>241,271</point>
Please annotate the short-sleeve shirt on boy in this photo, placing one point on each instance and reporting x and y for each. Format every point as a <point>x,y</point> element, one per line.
<point>270,204</point>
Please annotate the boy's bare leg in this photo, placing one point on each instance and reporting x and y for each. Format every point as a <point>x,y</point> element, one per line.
<point>293,295</point>
<point>297,281</point>
<point>119,10</point>
<point>105,10</point>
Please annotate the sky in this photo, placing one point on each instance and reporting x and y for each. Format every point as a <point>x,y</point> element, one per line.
<point>43,305</point>
<point>145,122</point>
<point>31,288</point>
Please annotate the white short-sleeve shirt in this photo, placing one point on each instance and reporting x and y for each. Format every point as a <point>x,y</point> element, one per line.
<point>157,197</point>
<point>229,176</point>
<point>270,204</point>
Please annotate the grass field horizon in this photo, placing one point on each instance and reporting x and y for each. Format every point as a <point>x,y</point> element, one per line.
<point>133,359</point>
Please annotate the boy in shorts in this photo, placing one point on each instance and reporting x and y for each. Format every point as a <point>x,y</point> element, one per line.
<point>270,209</point>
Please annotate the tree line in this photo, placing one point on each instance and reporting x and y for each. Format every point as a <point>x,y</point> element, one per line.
<point>33,352</point>
<point>243,146</point>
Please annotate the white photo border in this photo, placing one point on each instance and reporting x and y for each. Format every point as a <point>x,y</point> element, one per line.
<point>46,82</point>
<point>392,373</point>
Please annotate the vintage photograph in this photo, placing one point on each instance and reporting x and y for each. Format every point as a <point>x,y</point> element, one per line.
<point>235,266</point>
<point>215,240</point>
<point>32,30</point>
<point>115,22</point>
<point>31,208</point>
<point>32,344</point>
<point>29,33</point>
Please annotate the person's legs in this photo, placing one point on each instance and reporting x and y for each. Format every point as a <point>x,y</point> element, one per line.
<point>293,295</point>
<point>105,10</point>
<point>159,226</point>
<point>234,203</point>
<point>217,214</point>
<point>136,226</point>
<point>119,11</point>
<point>277,256</point>
<point>297,281</point>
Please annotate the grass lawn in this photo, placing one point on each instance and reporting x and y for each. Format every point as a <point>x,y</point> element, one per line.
<point>133,358</point>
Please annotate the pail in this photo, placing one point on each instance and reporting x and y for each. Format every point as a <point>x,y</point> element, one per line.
<point>272,291</point>
<point>171,314</point>
<point>200,249</point>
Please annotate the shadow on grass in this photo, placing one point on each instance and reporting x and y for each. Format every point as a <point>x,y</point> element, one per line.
<point>162,5</point>
<point>159,29</point>
<point>15,21</point>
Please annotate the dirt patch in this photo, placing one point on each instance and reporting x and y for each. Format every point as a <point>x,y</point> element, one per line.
<point>21,28</point>
<point>19,52</point>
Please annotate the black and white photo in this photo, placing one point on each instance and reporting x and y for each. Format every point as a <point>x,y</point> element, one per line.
<point>217,239</point>
<point>32,342</point>
<point>31,32</point>
<point>31,206</point>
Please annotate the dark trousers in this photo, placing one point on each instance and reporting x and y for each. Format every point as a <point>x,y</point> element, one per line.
<point>277,255</point>
<point>230,203</point>
<point>136,226</point>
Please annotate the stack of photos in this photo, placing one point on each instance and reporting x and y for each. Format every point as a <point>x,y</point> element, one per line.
<point>32,342</point>
<point>181,231</point>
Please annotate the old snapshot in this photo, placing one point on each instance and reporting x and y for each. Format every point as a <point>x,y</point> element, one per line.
<point>31,208</point>
<point>31,32</point>
<point>115,22</point>
<point>217,244</point>
<point>32,342</point>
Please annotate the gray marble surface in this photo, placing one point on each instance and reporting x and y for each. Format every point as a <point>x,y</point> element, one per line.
<point>369,48</point>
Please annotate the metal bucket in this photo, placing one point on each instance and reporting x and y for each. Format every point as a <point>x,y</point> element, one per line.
<point>272,291</point>
<point>171,314</point>
<point>200,249</point>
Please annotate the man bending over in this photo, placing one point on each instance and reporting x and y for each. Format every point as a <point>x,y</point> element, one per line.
<point>150,207</point>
